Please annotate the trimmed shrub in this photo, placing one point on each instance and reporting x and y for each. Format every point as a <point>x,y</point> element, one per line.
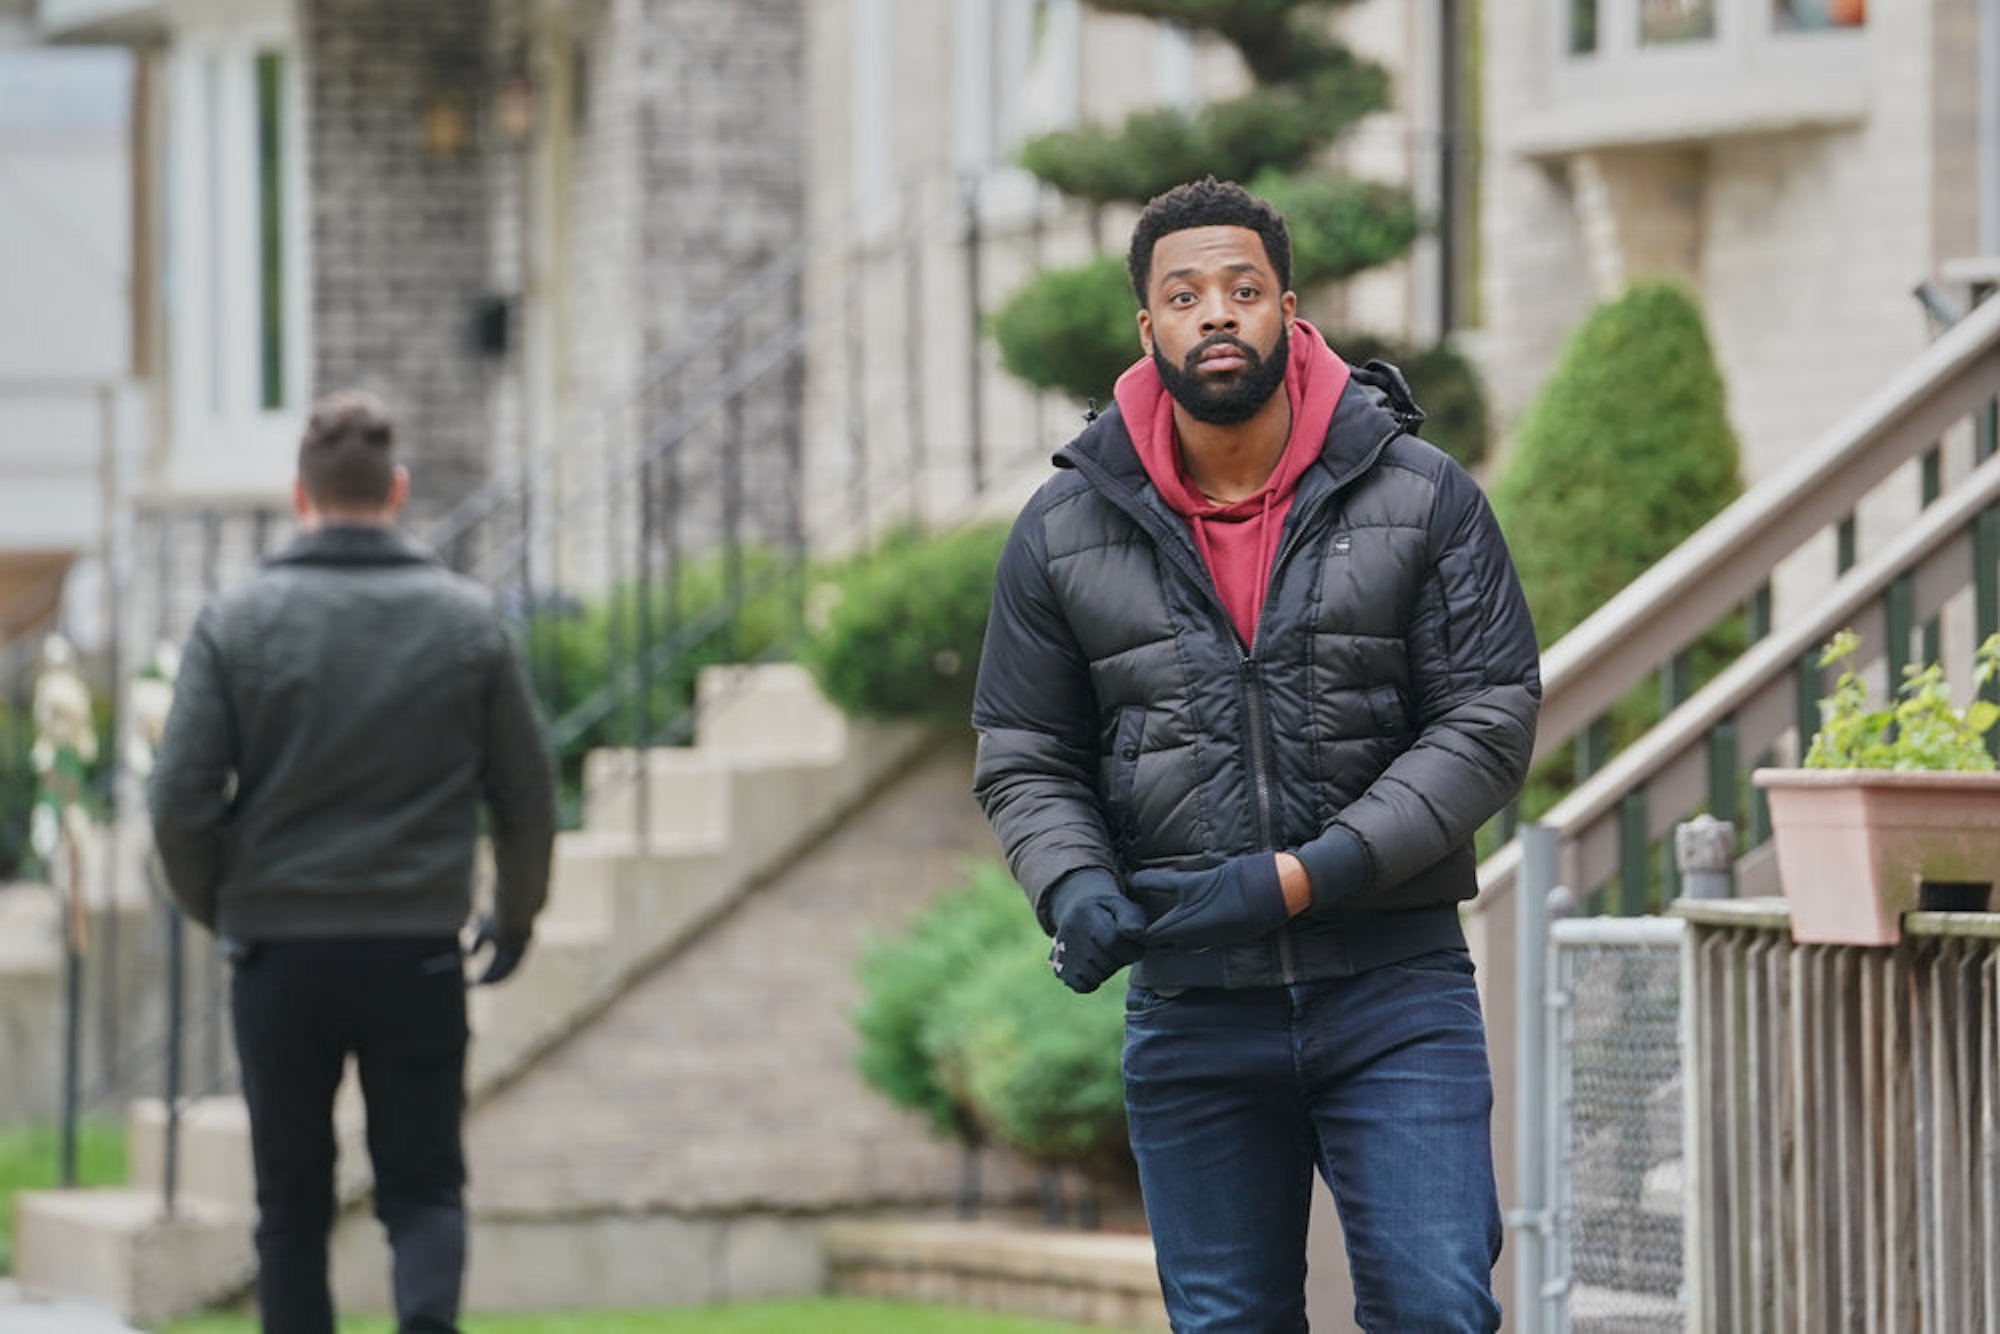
<point>1072,330</point>
<point>1338,225</point>
<point>906,978</point>
<point>903,635</point>
<point>584,657</point>
<point>1626,451</point>
<point>1038,1064</point>
<point>1445,385</point>
<point>961,1019</point>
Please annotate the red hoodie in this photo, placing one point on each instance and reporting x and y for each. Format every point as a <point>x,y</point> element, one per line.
<point>1237,541</point>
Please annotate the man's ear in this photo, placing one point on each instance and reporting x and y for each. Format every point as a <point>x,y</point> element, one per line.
<point>301,504</point>
<point>399,488</point>
<point>1146,332</point>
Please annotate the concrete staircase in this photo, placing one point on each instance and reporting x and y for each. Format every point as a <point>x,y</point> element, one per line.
<point>673,842</point>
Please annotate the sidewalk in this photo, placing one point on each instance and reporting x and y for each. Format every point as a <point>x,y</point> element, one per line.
<point>27,1315</point>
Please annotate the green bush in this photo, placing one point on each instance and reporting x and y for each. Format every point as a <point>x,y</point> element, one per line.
<point>903,635</point>
<point>1038,1064</point>
<point>583,657</point>
<point>961,1019</point>
<point>1626,451</point>
<point>1339,226</point>
<point>1445,385</point>
<point>1072,330</point>
<point>17,790</point>
<point>904,979</point>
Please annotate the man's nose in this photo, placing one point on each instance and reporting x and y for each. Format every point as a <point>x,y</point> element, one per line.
<point>1216,317</point>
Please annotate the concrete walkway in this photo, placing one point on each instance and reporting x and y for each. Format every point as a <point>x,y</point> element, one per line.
<point>726,1080</point>
<point>20,1314</point>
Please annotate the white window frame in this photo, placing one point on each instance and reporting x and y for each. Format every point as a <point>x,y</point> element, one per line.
<point>226,439</point>
<point>998,47</point>
<point>1749,77</point>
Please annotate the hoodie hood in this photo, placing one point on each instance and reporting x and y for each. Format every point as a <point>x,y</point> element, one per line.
<point>1237,540</point>
<point>1314,379</point>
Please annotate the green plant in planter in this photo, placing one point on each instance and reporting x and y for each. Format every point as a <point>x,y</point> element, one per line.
<point>1921,731</point>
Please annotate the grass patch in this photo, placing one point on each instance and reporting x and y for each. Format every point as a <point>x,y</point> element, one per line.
<point>29,1161</point>
<point>823,1315</point>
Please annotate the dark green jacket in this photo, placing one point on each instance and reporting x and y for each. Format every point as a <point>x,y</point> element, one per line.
<point>338,721</point>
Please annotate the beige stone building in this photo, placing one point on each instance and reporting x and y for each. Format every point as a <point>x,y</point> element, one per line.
<point>1800,164</point>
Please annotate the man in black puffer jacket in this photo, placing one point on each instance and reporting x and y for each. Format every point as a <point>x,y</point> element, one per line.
<point>339,720</point>
<point>1258,667</point>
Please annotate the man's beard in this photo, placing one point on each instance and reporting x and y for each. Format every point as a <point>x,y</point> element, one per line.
<point>1235,400</point>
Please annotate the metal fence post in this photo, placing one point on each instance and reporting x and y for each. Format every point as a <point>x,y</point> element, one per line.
<point>1705,852</point>
<point>1530,1217</point>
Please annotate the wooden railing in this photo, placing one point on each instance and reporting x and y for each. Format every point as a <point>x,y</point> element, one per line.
<point>1606,834</point>
<point>1844,1172</point>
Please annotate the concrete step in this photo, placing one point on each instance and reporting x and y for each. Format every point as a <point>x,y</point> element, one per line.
<point>213,1173</point>
<point>118,1250</point>
<point>24,1313</point>
<point>773,768</point>
<point>1084,1277</point>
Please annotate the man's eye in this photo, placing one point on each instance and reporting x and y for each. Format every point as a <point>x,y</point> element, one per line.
<point>1180,298</point>
<point>1246,294</point>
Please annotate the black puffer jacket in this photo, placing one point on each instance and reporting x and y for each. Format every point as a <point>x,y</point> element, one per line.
<point>1393,689</point>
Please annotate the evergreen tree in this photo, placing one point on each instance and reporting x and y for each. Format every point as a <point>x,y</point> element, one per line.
<point>1626,451</point>
<point>1072,330</point>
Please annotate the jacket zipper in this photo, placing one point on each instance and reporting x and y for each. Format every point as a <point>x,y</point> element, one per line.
<point>1260,783</point>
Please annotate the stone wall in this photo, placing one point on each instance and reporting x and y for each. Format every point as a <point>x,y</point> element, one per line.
<point>400,146</point>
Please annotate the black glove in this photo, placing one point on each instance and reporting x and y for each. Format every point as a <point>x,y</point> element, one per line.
<point>1337,865</point>
<point>507,951</point>
<point>1097,929</point>
<point>1224,905</point>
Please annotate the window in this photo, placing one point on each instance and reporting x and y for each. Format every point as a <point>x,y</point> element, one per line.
<point>1650,71</point>
<point>1666,21</point>
<point>1809,15</point>
<point>235,257</point>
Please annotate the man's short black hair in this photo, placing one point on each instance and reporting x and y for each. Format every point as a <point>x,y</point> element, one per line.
<point>347,458</point>
<point>1206,203</point>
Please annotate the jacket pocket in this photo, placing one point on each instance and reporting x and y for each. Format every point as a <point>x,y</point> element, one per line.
<point>1386,707</point>
<point>1121,772</point>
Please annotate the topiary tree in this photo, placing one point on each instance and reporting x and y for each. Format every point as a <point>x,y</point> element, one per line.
<point>1627,450</point>
<point>1071,329</point>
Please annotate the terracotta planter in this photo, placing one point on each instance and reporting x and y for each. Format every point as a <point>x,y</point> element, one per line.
<point>1854,845</point>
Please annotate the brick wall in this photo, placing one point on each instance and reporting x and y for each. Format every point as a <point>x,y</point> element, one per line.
<point>401,231</point>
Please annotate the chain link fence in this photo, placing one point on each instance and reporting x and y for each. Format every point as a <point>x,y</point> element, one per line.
<point>1616,1153</point>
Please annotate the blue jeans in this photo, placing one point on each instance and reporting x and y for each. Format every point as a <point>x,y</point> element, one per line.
<point>1381,1081</point>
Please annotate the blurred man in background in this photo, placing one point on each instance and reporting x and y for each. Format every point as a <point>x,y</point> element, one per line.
<point>338,722</point>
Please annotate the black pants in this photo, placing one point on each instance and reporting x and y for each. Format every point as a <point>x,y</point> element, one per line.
<point>398,1005</point>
